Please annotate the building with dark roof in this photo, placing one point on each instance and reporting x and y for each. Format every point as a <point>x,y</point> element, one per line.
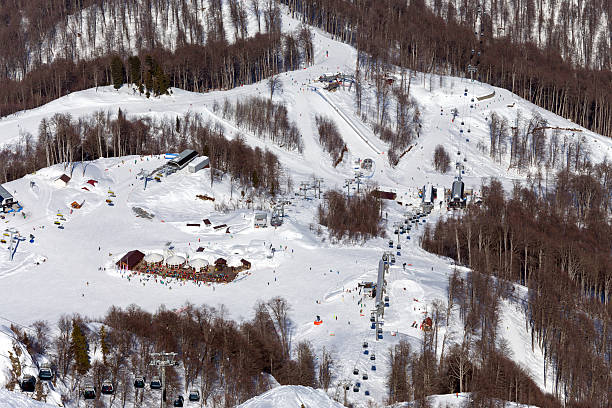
<point>183,159</point>
<point>131,259</point>
<point>6,199</point>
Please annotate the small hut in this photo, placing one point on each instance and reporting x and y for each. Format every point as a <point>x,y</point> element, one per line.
<point>61,181</point>
<point>153,258</point>
<point>130,260</point>
<point>245,264</point>
<point>175,261</point>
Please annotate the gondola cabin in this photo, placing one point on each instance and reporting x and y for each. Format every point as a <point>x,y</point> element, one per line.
<point>194,395</point>
<point>139,382</point>
<point>45,373</point>
<point>107,388</point>
<point>178,401</point>
<point>156,383</point>
<point>28,384</point>
<point>89,392</point>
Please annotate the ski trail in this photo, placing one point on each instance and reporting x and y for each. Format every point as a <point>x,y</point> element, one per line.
<point>349,122</point>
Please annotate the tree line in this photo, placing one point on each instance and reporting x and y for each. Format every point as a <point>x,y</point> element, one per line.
<point>413,37</point>
<point>63,139</point>
<point>555,241</point>
<point>215,64</point>
<point>225,360</point>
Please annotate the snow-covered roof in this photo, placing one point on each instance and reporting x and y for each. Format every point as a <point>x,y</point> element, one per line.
<point>198,263</point>
<point>198,160</point>
<point>153,257</point>
<point>175,260</point>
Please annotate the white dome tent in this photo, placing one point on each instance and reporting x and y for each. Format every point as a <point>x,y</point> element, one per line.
<point>153,258</point>
<point>175,261</point>
<point>198,264</point>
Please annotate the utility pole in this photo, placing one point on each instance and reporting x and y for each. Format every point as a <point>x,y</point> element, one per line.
<point>346,384</point>
<point>163,360</point>
<point>472,69</point>
<point>397,226</point>
<point>319,180</point>
<point>347,184</point>
<point>358,176</point>
<point>304,187</point>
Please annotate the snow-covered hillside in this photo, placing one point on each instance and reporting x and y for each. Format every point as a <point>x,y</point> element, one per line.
<point>13,400</point>
<point>291,396</point>
<point>72,269</point>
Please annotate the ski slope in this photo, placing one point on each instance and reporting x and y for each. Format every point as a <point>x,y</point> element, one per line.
<point>72,270</point>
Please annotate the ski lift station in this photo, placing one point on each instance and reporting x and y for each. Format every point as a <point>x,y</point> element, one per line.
<point>429,195</point>
<point>183,159</point>
<point>198,164</point>
<point>261,220</point>
<point>7,201</point>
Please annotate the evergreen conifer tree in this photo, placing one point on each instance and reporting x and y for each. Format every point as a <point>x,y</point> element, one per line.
<point>79,349</point>
<point>103,344</point>
<point>135,76</point>
<point>117,72</point>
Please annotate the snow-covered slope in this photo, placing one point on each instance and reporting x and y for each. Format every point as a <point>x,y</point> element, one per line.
<point>72,269</point>
<point>14,400</point>
<point>291,396</point>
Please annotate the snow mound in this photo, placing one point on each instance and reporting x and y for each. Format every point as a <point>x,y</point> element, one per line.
<point>291,396</point>
<point>14,400</point>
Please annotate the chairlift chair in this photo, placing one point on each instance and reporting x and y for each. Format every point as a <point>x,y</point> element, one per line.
<point>28,384</point>
<point>107,388</point>
<point>194,395</point>
<point>89,392</point>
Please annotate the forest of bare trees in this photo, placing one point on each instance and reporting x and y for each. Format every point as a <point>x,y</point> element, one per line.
<point>207,61</point>
<point>225,360</point>
<point>355,218</point>
<point>264,118</point>
<point>63,139</point>
<point>556,242</point>
<point>472,359</point>
<point>413,37</point>
<point>441,159</point>
<point>330,138</point>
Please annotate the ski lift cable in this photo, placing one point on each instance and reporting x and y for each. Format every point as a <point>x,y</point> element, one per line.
<point>18,324</point>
